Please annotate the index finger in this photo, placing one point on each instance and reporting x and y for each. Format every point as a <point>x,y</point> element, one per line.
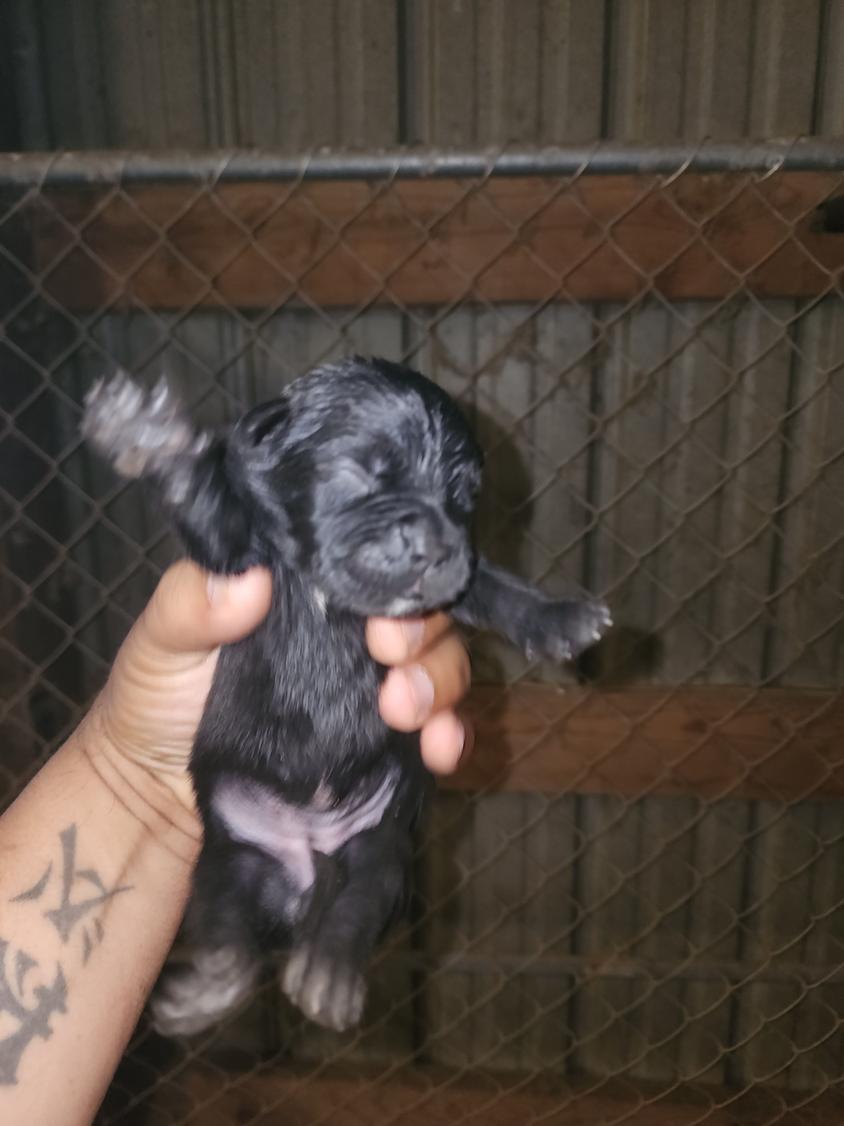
<point>393,641</point>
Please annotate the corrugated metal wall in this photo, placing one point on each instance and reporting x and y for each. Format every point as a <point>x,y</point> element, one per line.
<point>303,73</point>
<point>307,73</point>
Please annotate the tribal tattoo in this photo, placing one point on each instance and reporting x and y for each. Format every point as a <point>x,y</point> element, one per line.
<point>70,897</point>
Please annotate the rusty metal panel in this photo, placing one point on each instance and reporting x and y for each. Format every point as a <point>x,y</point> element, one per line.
<point>454,72</point>
<point>829,98</point>
<point>495,72</point>
<point>316,73</point>
<point>725,68</point>
<point>148,73</point>
<point>786,37</point>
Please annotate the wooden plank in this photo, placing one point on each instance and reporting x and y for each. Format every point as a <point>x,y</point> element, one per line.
<point>771,743</point>
<point>438,1097</point>
<point>425,242</point>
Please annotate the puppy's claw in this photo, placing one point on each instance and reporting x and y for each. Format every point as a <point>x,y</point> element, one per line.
<point>294,972</point>
<point>560,631</point>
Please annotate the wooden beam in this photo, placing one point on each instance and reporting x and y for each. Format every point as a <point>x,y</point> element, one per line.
<point>438,1097</point>
<point>774,743</point>
<point>433,242</point>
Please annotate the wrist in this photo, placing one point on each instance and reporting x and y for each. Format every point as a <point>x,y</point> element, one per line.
<point>162,801</point>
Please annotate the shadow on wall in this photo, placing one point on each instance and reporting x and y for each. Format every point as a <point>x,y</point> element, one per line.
<point>624,655</point>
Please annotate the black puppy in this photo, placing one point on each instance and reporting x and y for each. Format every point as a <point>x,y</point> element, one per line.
<point>356,487</point>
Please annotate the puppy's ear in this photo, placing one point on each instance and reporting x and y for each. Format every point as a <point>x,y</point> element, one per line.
<point>257,445</point>
<point>258,439</point>
<point>147,435</point>
<point>216,520</point>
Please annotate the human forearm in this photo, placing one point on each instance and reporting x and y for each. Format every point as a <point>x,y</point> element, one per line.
<point>111,816</point>
<point>97,861</point>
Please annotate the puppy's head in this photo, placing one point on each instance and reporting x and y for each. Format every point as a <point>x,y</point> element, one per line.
<point>365,476</point>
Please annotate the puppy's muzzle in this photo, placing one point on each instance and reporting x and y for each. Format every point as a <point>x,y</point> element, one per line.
<point>416,542</point>
<point>429,559</point>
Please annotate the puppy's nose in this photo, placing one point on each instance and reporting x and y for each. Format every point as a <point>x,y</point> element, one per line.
<point>419,541</point>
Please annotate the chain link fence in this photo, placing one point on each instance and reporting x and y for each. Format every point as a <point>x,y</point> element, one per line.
<point>630,905</point>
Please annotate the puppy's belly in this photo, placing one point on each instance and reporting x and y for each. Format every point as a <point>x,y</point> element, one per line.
<point>257,815</point>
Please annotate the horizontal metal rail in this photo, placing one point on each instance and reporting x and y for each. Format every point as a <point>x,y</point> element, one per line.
<point>605,158</point>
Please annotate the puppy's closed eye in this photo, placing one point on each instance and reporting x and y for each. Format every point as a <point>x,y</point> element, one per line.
<point>351,479</point>
<point>384,467</point>
<point>365,475</point>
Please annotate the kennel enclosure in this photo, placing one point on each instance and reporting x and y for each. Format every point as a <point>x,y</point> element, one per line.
<point>631,901</point>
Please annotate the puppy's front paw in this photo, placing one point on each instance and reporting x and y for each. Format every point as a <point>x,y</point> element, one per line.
<point>560,631</point>
<point>331,992</point>
<point>139,430</point>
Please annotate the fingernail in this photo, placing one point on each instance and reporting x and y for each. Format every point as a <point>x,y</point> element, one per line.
<point>461,746</point>
<point>422,691</point>
<point>413,632</point>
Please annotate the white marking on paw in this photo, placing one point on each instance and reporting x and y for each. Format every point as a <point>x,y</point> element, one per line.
<point>143,431</point>
<point>332,994</point>
<point>214,983</point>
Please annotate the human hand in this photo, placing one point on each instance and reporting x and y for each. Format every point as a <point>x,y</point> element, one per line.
<point>151,706</point>
<point>429,675</point>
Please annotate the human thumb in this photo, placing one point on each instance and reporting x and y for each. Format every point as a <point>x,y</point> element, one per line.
<point>193,612</point>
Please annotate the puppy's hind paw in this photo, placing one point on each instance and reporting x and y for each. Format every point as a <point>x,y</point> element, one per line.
<point>561,631</point>
<point>329,992</point>
<point>192,997</point>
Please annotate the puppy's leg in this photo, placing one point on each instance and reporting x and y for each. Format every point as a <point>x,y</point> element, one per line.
<point>324,975</point>
<point>542,627</point>
<point>146,434</point>
<point>231,920</point>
